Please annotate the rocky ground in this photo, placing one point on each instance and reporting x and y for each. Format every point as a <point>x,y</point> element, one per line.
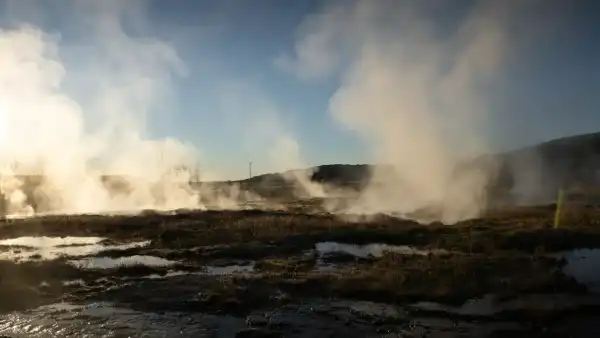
<point>300,274</point>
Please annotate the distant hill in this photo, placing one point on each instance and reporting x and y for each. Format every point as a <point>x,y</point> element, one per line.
<point>534,174</point>
<point>531,174</point>
<point>346,175</point>
<point>280,186</point>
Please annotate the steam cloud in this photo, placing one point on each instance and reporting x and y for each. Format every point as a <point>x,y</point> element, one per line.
<point>264,127</point>
<point>413,89</point>
<point>60,155</point>
<point>55,152</point>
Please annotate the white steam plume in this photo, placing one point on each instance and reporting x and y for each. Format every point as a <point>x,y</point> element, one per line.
<point>413,90</point>
<point>264,127</point>
<point>55,152</point>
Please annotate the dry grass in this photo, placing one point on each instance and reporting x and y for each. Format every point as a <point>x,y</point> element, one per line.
<point>448,279</point>
<point>499,253</point>
<point>524,229</point>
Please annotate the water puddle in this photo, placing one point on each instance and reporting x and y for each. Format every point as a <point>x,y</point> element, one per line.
<point>229,269</point>
<point>485,306</point>
<point>371,310</point>
<point>112,263</point>
<point>491,305</point>
<point>74,282</point>
<point>169,274</point>
<point>46,242</point>
<point>584,266</point>
<point>370,250</point>
<point>49,248</point>
<point>107,320</point>
<point>210,270</point>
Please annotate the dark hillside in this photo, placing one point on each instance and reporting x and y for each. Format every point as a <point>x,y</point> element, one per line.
<point>530,175</point>
<point>534,174</point>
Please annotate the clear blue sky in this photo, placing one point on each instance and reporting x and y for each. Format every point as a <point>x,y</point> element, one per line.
<point>549,88</point>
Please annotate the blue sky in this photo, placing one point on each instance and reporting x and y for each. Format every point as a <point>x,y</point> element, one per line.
<point>549,87</point>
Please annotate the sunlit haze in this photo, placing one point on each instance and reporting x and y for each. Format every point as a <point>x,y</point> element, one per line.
<point>161,90</point>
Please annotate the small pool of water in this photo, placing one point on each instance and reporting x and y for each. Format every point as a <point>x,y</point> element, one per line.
<point>46,242</point>
<point>485,306</point>
<point>49,248</point>
<point>169,274</point>
<point>370,250</point>
<point>107,320</point>
<point>584,266</point>
<point>211,270</point>
<point>491,305</point>
<point>229,269</point>
<point>112,263</point>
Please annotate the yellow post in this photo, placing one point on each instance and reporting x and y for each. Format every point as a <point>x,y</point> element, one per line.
<point>559,203</point>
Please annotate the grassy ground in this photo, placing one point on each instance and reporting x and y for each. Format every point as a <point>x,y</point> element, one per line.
<point>503,253</point>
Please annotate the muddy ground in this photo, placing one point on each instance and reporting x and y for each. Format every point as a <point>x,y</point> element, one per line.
<point>300,274</point>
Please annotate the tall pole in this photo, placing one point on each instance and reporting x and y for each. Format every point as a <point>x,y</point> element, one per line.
<point>250,169</point>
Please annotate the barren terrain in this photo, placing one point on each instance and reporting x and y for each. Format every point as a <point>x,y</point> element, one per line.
<point>299,274</point>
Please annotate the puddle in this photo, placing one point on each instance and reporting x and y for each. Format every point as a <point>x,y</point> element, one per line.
<point>112,263</point>
<point>485,306</point>
<point>490,305</point>
<point>169,274</point>
<point>584,266</point>
<point>371,309</point>
<point>229,269</point>
<point>46,242</point>
<point>107,320</point>
<point>74,282</point>
<point>49,248</point>
<point>207,270</point>
<point>370,250</point>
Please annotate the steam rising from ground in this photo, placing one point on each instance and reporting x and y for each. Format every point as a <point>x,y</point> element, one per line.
<point>411,87</point>
<point>414,90</point>
<point>54,151</point>
<point>43,133</point>
<point>265,127</point>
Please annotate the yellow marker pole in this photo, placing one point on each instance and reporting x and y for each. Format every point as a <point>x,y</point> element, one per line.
<point>559,203</point>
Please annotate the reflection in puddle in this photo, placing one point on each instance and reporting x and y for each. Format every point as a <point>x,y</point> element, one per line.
<point>106,320</point>
<point>109,320</point>
<point>169,274</point>
<point>370,309</point>
<point>314,318</point>
<point>112,263</point>
<point>74,282</point>
<point>370,250</point>
<point>49,248</point>
<point>46,242</point>
<point>109,263</point>
<point>207,270</point>
<point>490,305</point>
<point>485,306</point>
<point>584,266</point>
<point>229,269</point>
